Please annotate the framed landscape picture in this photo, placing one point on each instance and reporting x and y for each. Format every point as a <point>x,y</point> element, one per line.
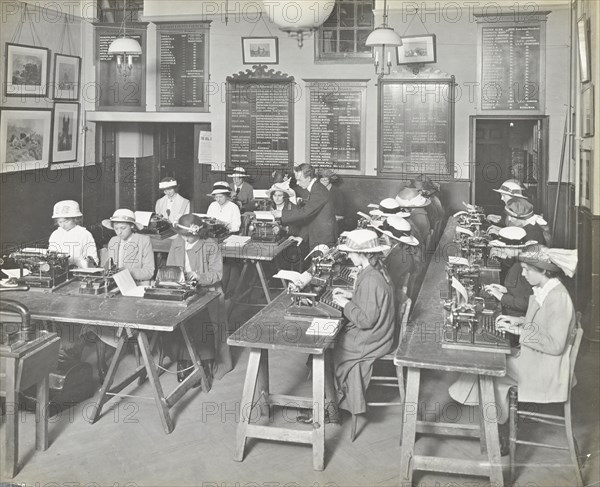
<point>25,138</point>
<point>26,70</point>
<point>67,74</point>
<point>417,49</point>
<point>66,132</point>
<point>260,50</point>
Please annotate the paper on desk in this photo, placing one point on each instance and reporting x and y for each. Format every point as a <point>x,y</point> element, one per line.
<point>460,289</point>
<point>127,285</point>
<point>298,279</point>
<point>260,194</point>
<point>201,215</point>
<point>464,230</point>
<point>323,326</point>
<point>143,217</point>
<point>264,216</point>
<point>15,272</point>
<point>457,260</point>
<point>89,270</point>
<point>236,241</point>
<point>319,248</point>
<point>35,250</point>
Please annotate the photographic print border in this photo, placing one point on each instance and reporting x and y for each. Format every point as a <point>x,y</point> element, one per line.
<point>271,59</point>
<point>71,155</point>
<point>26,90</point>
<point>59,94</point>
<point>43,114</point>
<point>431,57</point>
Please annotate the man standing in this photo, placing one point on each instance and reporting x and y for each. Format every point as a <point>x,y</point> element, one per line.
<point>316,215</point>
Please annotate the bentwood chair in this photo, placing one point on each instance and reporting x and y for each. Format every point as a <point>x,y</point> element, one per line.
<point>517,415</point>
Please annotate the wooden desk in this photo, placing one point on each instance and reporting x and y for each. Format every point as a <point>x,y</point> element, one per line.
<point>269,330</point>
<point>252,253</point>
<point>133,318</point>
<point>421,348</point>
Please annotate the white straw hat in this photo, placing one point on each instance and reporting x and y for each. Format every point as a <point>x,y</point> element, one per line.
<point>511,187</point>
<point>362,241</point>
<point>122,216</point>
<point>238,171</point>
<point>66,209</point>
<point>411,198</point>
<point>167,183</point>
<point>221,187</point>
<point>513,238</point>
<point>399,229</point>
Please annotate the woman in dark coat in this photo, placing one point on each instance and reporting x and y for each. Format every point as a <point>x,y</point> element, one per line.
<point>369,333</point>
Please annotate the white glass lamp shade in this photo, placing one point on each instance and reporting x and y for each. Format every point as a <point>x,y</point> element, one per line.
<point>298,16</point>
<point>125,46</point>
<point>383,36</point>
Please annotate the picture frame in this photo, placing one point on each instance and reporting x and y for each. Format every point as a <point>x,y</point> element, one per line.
<point>260,50</point>
<point>417,50</point>
<point>583,46</point>
<point>26,70</point>
<point>25,138</point>
<point>587,110</point>
<point>66,132</point>
<point>67,77</point>
<point>585,178</point>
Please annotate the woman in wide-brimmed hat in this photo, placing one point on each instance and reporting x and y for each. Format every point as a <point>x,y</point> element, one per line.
<point>200,257</point>
<point>414,202</point>
<point>519,213</point>
<point>172,205</point>
<point>428,189</point>
<point>242,192</point>
<point>129,249</point>
<point>223,208</point>
<point>541,368</point>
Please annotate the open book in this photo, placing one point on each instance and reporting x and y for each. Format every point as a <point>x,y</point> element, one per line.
<point>127,285</point>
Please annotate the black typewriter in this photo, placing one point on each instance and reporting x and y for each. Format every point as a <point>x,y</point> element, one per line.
<point>267,231</point>
<point>216,228</point>
<point>171,285</point>
<point>47,269</point>
<point>96,281</point>
<point>159,226</point>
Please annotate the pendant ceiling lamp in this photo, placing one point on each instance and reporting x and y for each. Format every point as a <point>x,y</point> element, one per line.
<point>298,18</point>
<point>382,37</point>
<point>124,48</point>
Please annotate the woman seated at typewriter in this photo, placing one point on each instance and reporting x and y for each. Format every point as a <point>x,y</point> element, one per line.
<point>172,205</point>
<point>411,200</point>
<point>280,196</point>
<point>70,237</point>
<point>541,366</point>
<point>519,213</point>
<point>129,249</point>
<point>223,208</point>
<point>200,257</point>
<point>369,333</point>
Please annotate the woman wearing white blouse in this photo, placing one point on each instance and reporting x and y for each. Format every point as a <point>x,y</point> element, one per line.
<point>223,208</point>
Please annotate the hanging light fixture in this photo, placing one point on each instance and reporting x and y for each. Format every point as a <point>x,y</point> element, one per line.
<point>124,48</point>
<point>298,18</point>
<point>381,37</point>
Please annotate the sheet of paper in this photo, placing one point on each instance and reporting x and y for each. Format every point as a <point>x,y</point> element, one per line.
<point>204,147</point>
<point>260,194</point>
<point>464,230</point>
<point>143,217</point>
<point>323,327</point>
<point>264,216</point>
<point>319,248</point>
<point>457,260</point>
<point>89,270</point>
<point>35,250</point>
<point>460,290</point>
<point>236,241</point>
<point>300,280</point>
<point>127,285</point>
<point>201,215</point>
<point>15,272</point>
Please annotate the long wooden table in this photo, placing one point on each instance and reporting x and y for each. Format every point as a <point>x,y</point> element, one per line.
<point>270,330</point>
<point>421,348</point>
<point>134,318</point>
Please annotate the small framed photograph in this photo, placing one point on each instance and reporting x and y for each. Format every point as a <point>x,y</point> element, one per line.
<point>583,46</point>
<point>587,110</point>
<point>26,70</point>
<point>585,178</point>
<point>67,75</point>
<point>25,138</point>
<point>417,49</point>
<point>260,50</point>
<point>66,131</point>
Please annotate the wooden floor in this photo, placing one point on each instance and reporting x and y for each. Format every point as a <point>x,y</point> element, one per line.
<point>128,447</point>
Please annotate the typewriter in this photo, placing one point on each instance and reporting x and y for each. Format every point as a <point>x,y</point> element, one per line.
<point>159,226</point>
<point>47,269</point>
<point>315,301</point>
<point>334,269</point>
<point>266,231</point>
<point>96,281</point>
<point>171,285</point>
<point>216,228</point>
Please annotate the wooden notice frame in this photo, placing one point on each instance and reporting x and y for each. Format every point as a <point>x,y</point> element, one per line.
<point>113,90</point>
<point>415,133</point>
<point>336,117</point>
<point>260,118</point>
<point>182,65</point>
<point>511,63</point>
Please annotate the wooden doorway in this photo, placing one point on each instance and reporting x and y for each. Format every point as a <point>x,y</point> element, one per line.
<point>504,148</point>
<point>176,155</point>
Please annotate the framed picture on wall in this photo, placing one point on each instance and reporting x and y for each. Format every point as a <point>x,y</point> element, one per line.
<point>417,49</point>
<point>587,110</point>
<point>67,76</point>
<point>585,178</point>
<point>260,50</point>
<point>583,46</point>
<point>25,138</point>
<point>26,70</point>
<point>66,131</point>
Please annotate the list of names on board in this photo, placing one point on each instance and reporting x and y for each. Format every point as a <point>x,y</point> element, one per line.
<point>259,124</point>
<point>182,66</point>
<point>511,68</point>
<point>416,127</point>
<point>335,126</point>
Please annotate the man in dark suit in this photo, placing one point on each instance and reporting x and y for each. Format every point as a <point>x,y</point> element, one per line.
<point>316,214</point>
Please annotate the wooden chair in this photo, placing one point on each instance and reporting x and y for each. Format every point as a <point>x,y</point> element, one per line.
<point>388,380</point>
<point>554,420</point>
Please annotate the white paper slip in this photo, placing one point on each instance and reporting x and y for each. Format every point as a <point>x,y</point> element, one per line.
<point>127,285</point>
<point>461,291</point>
<point>260,194</point>
<point>201,215</point>
<point>89,270</point>
<point>323,327</point>
<point>143,217</point>
<point>265,216</point>
<point>457,260</point>
<point>236,241</point>
<point>298,279</point>
<point>15,272</point>
<point>35,250</point>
